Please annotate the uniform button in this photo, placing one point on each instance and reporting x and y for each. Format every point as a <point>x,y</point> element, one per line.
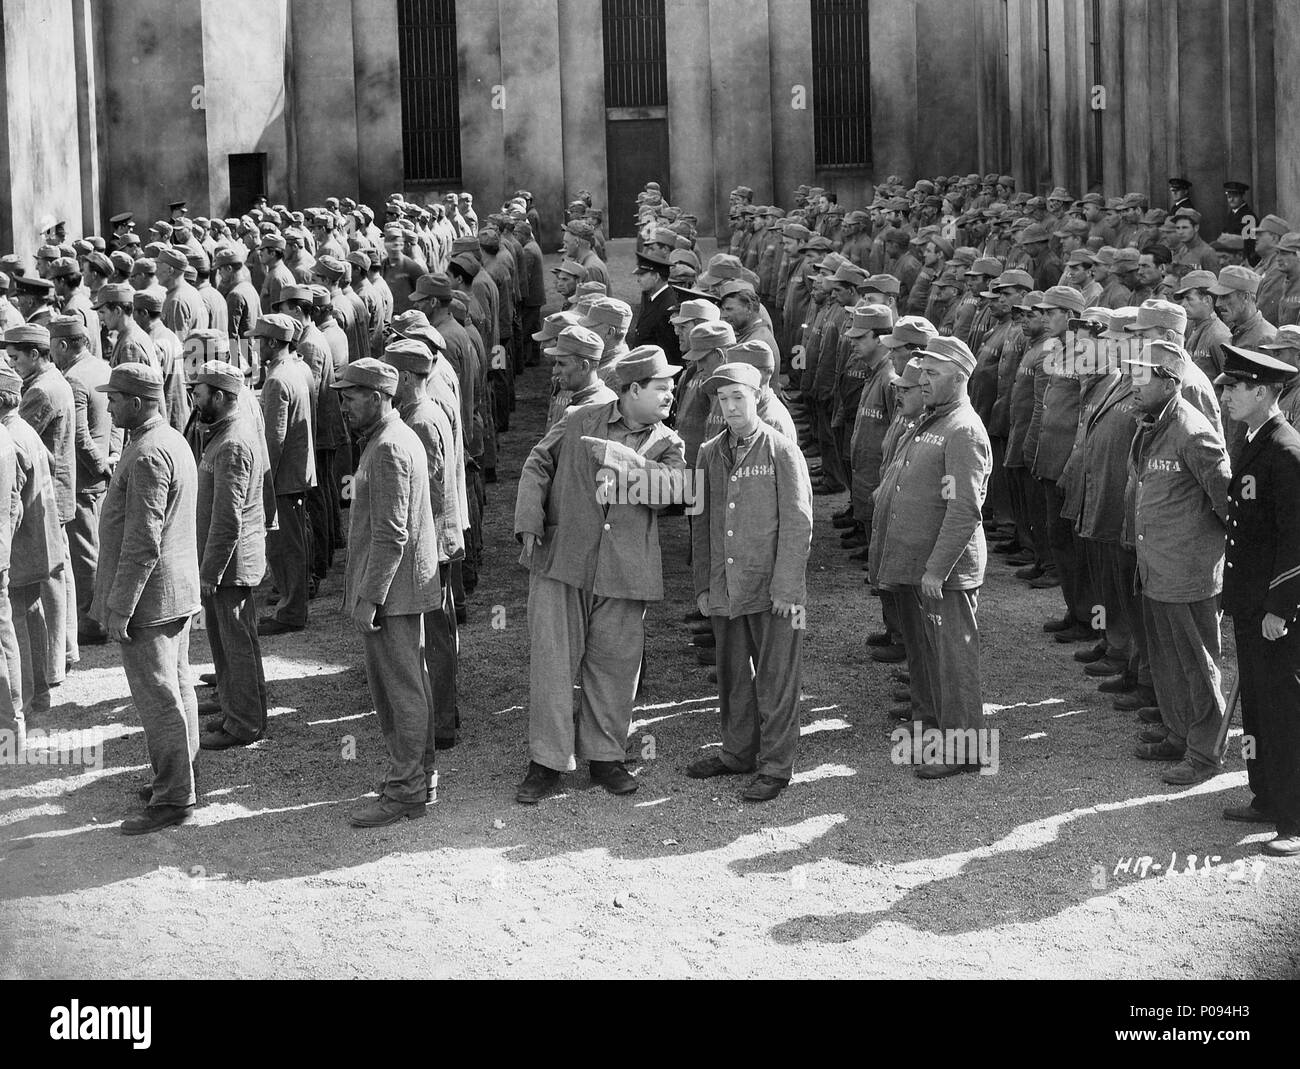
<point>607,527</point>
<point>733,478</point>
<point>731,504</point>
<point>730,533</point>
<point>1232,541</point>
<point>731,560</point>
<point>1234,523</point>
<point>1229,564</point>
<point>1140,537</point>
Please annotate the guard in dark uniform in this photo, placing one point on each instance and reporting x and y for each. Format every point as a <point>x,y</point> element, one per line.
<point>1261,590</point>
<point>1241,216</point>
<point>1180,195</point>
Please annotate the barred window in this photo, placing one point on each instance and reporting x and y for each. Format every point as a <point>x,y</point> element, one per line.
<point>841,97</point>
<point>636,53</point>
<point>426,49</point>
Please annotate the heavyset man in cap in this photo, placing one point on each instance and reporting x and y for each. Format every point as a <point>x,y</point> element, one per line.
<point>231,531</point>
<point>927,546</point>
<point>749,557</point>
<point>1261,591</point>
<point>147,586</point>
<point>287,408</point>
<point>586,516</point>
<point>1178,485</point>
<point>390,584</point>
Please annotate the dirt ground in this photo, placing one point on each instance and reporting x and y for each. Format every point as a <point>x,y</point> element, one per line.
<point>857,870</point>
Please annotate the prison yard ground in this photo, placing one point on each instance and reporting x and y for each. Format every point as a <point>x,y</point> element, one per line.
<point>857,870</point>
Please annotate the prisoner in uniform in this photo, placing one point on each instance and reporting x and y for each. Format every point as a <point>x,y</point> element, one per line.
<point>48,408</point>
<point>287,413</point>
<point>96,448</point>
<point>593,556</point>
<point>12,717</point>
<point>750,558</point>
<point>1178,487</point>
<point>928,546</point>
<point>1261,591</point>
<point>37,557</point>
<point>231,540</point>
<point>147,586</point>
<point>390,583</point>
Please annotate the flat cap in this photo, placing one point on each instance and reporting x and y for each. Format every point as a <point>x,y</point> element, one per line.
<point>1066,297</point>
<point>1161,314</point>
<point>695,311</point>
<point>146,301</point>
<point>114,293</point>
<point>28,334</point>
<point>295,292</point>
<point>911,330</point>
<point>1274,224</point>
<point>736,373</point>
<point>569,267</point>
<point>276,326</point>
<point>1287,337</point>
<point>708,335</point>
<point>135,380</point>
<point>230,256</point>
<point>644,362</point>
<point>68,327</point>
<point>221,375</point>
<point>1236,279</point>
<point>554,323</point>
<point>952,350</point>
<point>369,373</point>
<point>869,319</point>
<point>406,354</point>
<point>577,341</point>
<point>755,351</point>
<point>1196,280</point>
<point>609,312</point>
<point>436,287</point>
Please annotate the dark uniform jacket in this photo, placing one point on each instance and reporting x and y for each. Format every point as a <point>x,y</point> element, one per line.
<point>1263,554</point>
<point>652,326</point>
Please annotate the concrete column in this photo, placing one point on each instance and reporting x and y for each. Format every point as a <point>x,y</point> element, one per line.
<point>1137,98</point>
<point>1200,106</point>
<point>1286,89</point>
<point>947,107</point>
<point>530,56</point>
<point>83,58</point>
<point>484,98</point>
<point>790,28</point>
<point>1061,65</point>
<point>324,116</point>
<point>376,73</point>
<point>891,25</point>
<point>690,112</point>
<point>1020,133</point>
<point>245,93</point>
<point>741,79</point>
<point>582,110</point>
<point>1112,78</point>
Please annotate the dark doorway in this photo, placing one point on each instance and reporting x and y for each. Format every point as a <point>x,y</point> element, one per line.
<point>247,180</point>
<point>637,151</point>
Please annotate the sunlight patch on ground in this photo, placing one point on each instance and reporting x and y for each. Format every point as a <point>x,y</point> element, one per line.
<point>822,772</point>
<point>637,725</point>
<point>991,708</point>
<point>831,724</point>
<point>49,788</point>
<point>1035,735</point>
<point>341,719</point>
<point>656,801</point>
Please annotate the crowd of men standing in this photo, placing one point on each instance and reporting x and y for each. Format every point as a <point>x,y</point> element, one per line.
<point>979,370</point>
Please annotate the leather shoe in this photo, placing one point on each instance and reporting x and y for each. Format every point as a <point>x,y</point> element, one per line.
<point>1283,846</point>
<point>1065,623</point>
<point>841,522</point>
<point>1105,668</point>
<point>1137,698</point>
<point>712,765</point>
<point>1029,571</point>
<point>700,627</point>
<point>208,679</point>
<point>1150,714</point>
<point>901,675</point>
<point>1092,654</point>
<point>1155,733</point>
<point>1186,773</point>
<point>1021,558</point>
<point>444,742</point>
<point>540,782</point>
<point>1046,581</point>
<point>901,713</point>
<point>155,818</point>
<point>221,739</point>
<point>880,638</point>
<point>942,771</point>
<point>843,514</point>
<point>1246,814</point>
<point>707,656</point>
<point>889,654</point>
<point>713,675</point>
<point>1078,633</point>
<point>1158,751</point>
<point>209,706</point>
<point>269,625</point>
<point>705,640</point>
<point>858,541</point>
<point>612,776</point>
<point>693,616</point>
<point>763,788</point>
<point>384,811</point>
<point>1120,684</point>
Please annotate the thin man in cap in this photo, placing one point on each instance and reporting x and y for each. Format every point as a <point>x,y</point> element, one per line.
<point>147,587</point>
<point>592,548</point>
<point>390,584</point>
<point>750,558</point>
<point>1261,590</point>
<point>231,530</point>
